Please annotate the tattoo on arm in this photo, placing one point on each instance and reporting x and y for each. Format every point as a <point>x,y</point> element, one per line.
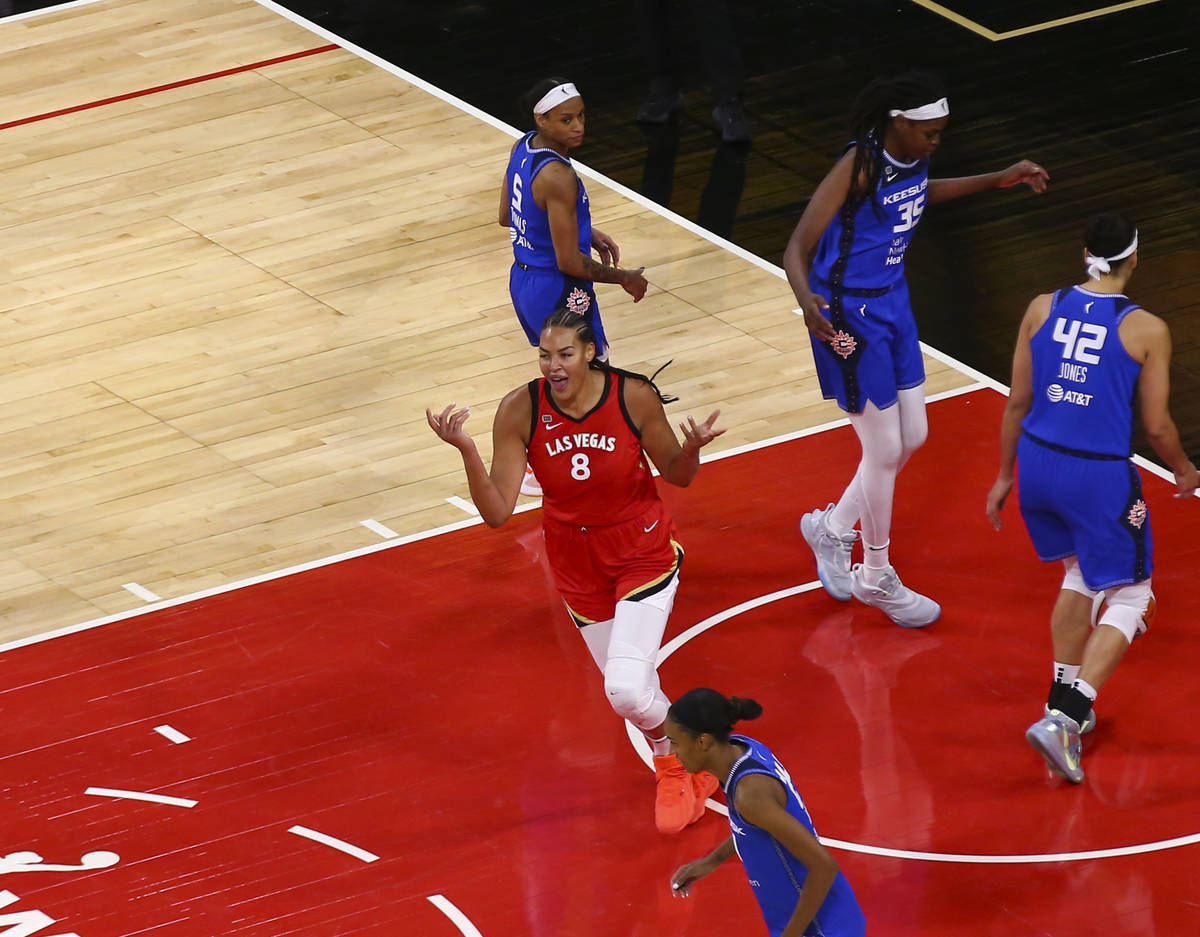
<point>598,273</point>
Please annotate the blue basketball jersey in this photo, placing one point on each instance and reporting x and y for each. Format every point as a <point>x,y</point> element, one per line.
<point>864,247</point>
<point>1083,378</point>
<point>776,876</point>
<point>529,225</point>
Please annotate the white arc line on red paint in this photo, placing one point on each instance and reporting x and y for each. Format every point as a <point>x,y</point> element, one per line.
<point>141,795</point>
<point>328,840</point>
<point>461,921</point>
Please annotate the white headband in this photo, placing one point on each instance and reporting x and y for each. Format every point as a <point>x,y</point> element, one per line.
<point>1099,265</point>
<point>554,97</point>
<point>939,108</point>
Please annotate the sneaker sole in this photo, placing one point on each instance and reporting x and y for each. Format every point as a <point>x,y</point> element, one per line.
<point>897,621</point>
<point>1048,748</point>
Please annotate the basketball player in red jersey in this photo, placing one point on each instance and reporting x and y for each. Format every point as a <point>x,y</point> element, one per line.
<point>586,429</point>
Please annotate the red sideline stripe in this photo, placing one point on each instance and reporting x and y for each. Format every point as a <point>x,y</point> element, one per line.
<point>167,87</point>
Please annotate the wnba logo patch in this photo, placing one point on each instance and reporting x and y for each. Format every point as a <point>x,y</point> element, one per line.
<point>1055,392</point>
<point>843,344</point>
<point>1137,514</point>
<point>578,301</point>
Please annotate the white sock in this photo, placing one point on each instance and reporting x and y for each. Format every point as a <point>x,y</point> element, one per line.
<point>1066,673</point>
<point>660,747</point>
<point>1086,689</point>
<point>875,563</point>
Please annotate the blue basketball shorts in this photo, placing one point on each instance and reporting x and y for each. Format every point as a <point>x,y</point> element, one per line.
<point>875,352</point>
<point>1090,508</point>
<point>537,292</point>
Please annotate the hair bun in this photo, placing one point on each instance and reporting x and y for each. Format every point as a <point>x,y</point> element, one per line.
<point>741,708</point>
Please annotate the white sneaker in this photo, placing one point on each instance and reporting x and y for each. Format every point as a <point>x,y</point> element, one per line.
<point>1056,738</point>
<point>530,485</point>
<point>832,552</point>
<point>903,606</point>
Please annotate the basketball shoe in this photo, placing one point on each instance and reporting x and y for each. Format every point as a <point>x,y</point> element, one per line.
<point>832,552</point>
<point>1089,721</point>
<point>903,606</point>
<point>704,784</point>
<point>675,798</point>
<point>1056,738</point>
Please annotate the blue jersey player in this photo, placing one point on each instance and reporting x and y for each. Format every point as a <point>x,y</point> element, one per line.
<point>1083,355</point>
<point>799,887</point>
<point>855,304</point>
<point>545,207</point>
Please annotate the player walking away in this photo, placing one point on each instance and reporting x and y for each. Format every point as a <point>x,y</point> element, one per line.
<point>587,429</point>
<point>799,887</point>
<point>1083,354</point>
<point>860,222</point>
<point>545,207</point>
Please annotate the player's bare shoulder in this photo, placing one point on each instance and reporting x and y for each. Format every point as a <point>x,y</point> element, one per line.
<point>516,411</point>
<point>1143,332</point>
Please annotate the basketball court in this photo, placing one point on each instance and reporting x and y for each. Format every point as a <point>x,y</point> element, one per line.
<point>236,707</point>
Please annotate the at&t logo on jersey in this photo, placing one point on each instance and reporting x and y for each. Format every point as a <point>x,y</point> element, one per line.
<point>1056,394</point>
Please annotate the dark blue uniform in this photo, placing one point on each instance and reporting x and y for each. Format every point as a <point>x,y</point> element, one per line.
<point>535,283</point>
<point>1080,493</point>
<point>775,874</point>
<point>859,269</point>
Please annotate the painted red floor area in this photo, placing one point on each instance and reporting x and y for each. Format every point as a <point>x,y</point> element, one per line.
<point>430,704</point>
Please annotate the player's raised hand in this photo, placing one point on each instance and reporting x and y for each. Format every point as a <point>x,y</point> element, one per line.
<point>449,425</point>
<point>700,435</point>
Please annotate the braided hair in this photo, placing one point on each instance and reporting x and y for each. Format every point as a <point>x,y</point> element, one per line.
<point>563,317</point>
<point>869,122</point>
<point>704,711</point>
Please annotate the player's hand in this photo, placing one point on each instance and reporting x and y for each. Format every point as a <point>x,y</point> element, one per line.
<point>1026,171</point>
<point>449,425</point>
<point>685,875</point>
<point>635,284</point>
<point>1188,481</point>
<point>606,247</point>
<point>1001,489</point>
<point>815,320</point>
<point>699,436</point>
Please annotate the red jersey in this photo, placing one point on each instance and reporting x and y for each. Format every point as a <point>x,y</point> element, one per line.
<point>592,470</point>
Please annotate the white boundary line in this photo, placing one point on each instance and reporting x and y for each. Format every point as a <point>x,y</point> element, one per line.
<point>141,795</point>
<point>173,735</point>
<point>381,529</point>
<point>340,844</point>
<point>142,592</point>
<point>54,9</point>
<point>642,748</point>
<point>460,920</point>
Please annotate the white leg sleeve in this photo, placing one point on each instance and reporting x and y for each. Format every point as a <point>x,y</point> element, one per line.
<point>914,424</point>
<point>630,674</point>
<point>597,637</point>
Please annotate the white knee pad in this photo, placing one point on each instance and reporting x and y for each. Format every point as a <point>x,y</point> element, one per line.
<point>633,691</point>
<point>1126,608</point>
<point>1073,578</point>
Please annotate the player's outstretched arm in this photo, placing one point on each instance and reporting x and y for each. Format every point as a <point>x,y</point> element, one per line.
<point>676,463</point>
<point>1024,171</point>
<point>494,493</point>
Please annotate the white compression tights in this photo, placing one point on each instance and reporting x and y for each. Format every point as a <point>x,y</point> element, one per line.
<point>888,437</point>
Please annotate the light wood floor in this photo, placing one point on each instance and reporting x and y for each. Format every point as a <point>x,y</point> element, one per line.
<point>226,306</point>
